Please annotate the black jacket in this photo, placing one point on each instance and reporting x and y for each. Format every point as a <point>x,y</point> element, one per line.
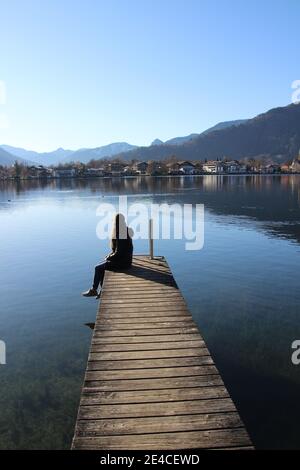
<point>121,256</point>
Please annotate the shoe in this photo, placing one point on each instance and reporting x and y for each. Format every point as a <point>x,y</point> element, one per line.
<point>99,295</point>
<point>90,293</point>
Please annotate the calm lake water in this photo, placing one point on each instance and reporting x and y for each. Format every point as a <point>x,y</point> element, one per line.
<point>242,288</point>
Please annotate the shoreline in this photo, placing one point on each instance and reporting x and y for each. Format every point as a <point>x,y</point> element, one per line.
<point>50,178</point>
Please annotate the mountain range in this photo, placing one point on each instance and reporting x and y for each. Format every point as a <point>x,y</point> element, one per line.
<point>32,157</point>
<point>271,136</point>
<point>9,154</point>
<point>106,151</point>
<point>84,155</point>
<point>274,135</point>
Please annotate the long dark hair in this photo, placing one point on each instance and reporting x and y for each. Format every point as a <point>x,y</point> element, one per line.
<point>119,228</point>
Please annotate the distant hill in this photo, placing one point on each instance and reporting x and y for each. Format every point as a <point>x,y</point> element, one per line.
<point>64,156</point>
<point>7,159</point>
<point>220,125</point>
<point>43,158</point>
<point>224,125</point>
<point>274,135</point>
<point>157,142</point>
<point>181,140</point>
<point>85,155</point>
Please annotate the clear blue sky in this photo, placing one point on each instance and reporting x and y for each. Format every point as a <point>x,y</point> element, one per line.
<point>90,72</point>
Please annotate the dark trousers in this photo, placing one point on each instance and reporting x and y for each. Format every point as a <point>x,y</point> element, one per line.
<point>99,274</point>
<point>106,265</point>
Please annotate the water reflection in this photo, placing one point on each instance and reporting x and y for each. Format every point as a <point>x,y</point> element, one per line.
<point>274,201</point>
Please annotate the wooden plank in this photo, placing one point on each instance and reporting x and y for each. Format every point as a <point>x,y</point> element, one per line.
<point>98,346</point>
<point>128,314</point>
<point>124,310</point>
<point>146,292</point>
<point>143,326</point>
<point>98,332</point>
<point>150,373</point>
<point>165,300</point>
<point>124,289</point>
<point>154,384</point>
<point>93,397</point>
<point>150,381</point>
<point>151,277</point>
<point>196,422</point>
<point>210,439</point>
<point>106,320</point>
<point>156,409</point>
<point>152,354</point>
<point>145,295</point>
<point>149,363</point>
<point>99,339</point>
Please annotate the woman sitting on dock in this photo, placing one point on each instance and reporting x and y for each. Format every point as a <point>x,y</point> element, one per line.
<point>120,258</point>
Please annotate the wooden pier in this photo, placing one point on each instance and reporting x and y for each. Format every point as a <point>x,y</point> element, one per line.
<point>150,381</point>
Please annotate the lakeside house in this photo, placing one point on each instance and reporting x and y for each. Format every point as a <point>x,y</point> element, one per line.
<point>116,168</point>
<point>285,168</point>
<point>156,168</point>
<point>234,166</point>
<point>184,167</point>
<point>272,168</point>
<point>140,167</point>
<point>94,172</point>
<point>295,165</point>
<point>39,171</point>
<point>213,166</point>
<point>129,171</point>
<point>64,173</point>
